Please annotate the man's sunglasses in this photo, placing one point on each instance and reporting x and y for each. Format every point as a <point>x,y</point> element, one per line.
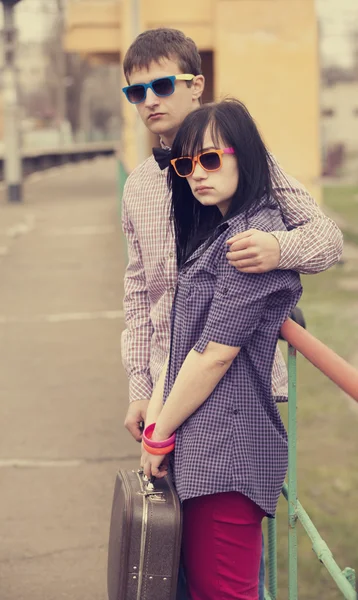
<point>210,160</point>
<point>162,87</point>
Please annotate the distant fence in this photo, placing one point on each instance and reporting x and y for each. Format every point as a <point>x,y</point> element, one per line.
<point>38,159</point>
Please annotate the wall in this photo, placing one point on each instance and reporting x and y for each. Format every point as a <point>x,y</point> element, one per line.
<point>341,126</point>
<point>93,26</point>
<point>265,53</point>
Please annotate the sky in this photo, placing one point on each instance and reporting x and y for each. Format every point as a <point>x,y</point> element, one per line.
<point>337,18</point>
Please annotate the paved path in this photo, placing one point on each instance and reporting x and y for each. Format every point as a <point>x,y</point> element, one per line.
<point>63,391</point>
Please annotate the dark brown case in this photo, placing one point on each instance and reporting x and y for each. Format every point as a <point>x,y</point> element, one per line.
<point>144,539</point>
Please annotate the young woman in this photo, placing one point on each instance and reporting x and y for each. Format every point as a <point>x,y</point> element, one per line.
<point>230,454</point>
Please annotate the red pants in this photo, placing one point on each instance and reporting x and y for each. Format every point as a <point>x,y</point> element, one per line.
<point>222,543</point>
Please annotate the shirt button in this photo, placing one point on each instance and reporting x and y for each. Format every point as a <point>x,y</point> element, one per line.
<point>236,412</point>
<point>172,290</point>
<point>171,254</point>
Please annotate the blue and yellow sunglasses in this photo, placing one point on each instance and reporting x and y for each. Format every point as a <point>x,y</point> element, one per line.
<point>165,86</point>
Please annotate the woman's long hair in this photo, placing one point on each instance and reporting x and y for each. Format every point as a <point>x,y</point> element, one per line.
<point>230,125</point>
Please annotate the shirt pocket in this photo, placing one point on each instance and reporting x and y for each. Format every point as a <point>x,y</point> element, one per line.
<point>200,289</point>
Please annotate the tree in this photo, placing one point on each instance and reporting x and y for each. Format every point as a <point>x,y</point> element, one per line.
<point>333,74</point>
<point>354,41</point>
<point>74,84</point>
<point>67,74</point>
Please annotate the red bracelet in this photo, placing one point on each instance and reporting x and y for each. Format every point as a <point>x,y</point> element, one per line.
<point>158,451</point>
<point>147,438</point>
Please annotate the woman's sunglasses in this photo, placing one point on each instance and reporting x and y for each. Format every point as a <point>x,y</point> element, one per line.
<point>164,86</point>
<point>210,160</point>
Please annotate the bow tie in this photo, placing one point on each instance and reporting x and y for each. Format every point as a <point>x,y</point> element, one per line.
<point>162,156</point>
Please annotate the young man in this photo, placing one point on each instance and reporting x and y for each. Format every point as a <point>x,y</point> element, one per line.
<point>163,71</point>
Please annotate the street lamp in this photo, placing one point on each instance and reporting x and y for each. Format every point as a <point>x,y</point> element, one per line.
<point>12,150</point>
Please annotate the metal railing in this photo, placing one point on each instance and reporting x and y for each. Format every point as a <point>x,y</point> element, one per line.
<point>122,174</point>
<point>346,377</point>
<point>40,159</point>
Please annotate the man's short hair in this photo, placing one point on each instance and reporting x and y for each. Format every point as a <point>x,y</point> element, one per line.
<point>155,44</point>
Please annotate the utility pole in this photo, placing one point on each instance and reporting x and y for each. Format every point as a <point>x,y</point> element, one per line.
<point>140,133</point>
<point>61,66</point>
<point>12,142</point>
<point>133,134</point>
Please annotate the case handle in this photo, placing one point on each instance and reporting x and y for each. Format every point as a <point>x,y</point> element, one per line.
<point>149,483</point>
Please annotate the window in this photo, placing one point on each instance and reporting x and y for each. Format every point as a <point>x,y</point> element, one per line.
<point>327,112</point>
<point>207,63</point>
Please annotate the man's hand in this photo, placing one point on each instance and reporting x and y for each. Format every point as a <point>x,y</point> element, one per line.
<point>253,251</point>
<point>135,417</point>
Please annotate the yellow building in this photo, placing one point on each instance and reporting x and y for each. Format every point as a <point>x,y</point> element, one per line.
<point>265,52</point>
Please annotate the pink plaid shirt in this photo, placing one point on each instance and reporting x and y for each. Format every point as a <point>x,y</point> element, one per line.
<point>313,244</point>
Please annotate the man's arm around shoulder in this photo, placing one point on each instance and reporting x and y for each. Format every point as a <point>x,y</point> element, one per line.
<point>312,242</point>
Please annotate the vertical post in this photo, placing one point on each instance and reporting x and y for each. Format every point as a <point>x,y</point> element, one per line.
<point>292,475</point>
<point>272,558</point>
<point>12,142</point>
<point>133,140</point>
<point>140,132</point>
<point>61,66</point>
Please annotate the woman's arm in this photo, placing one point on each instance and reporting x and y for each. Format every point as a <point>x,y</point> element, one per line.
<point>232,319</point>
<point>199,375</point>
<point>156,402</point>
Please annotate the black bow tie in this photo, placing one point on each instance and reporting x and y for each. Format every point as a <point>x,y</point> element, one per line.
<point>162,156</point>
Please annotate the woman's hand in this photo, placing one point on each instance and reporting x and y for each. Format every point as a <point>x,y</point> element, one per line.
<point>154,465</point>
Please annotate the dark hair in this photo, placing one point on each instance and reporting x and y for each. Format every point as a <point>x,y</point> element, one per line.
<point>155,44</point>
<point>232,125</point>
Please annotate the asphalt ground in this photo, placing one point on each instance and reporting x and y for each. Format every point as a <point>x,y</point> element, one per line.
<point>63,390</point>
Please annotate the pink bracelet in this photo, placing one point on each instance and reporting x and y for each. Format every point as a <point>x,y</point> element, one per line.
<point>147,438</point>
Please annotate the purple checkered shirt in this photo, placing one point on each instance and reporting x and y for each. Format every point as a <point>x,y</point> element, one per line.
<point>236,440</point>
<point>151,274</point>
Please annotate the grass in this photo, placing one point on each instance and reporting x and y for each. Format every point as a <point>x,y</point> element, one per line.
<point>327,448</point>
<point>343,200</point>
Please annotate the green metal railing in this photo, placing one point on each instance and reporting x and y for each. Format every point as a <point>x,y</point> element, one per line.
<point>345,580</point>
<point>122,174</point>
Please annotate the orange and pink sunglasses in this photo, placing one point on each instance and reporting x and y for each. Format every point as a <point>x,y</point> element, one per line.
<point>210,160</point>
